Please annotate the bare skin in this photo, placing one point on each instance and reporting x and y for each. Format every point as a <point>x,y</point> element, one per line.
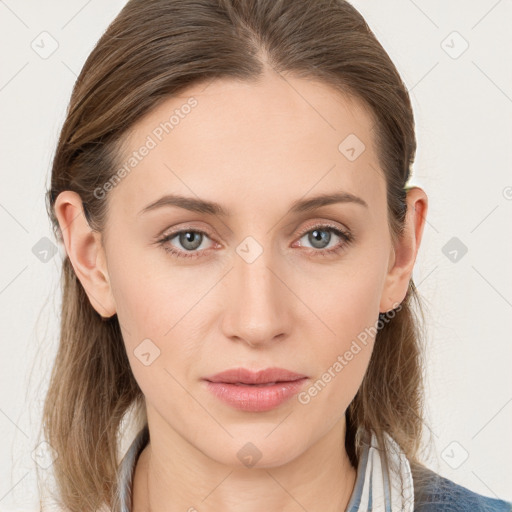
<point>255,149</point>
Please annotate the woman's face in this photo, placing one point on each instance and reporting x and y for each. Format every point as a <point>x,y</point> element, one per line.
<point>267,282</point>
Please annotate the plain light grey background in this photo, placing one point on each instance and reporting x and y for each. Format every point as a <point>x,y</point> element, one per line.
<point>455,58</point>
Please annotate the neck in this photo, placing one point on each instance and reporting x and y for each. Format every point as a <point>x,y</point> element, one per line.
<point>319,478</point>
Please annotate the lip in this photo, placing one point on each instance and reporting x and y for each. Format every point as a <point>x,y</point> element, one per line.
<point>251,391</point>
<point>246,376</point>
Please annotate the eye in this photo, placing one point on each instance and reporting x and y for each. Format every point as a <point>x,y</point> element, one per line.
<point>320,236</point>
<point>189,239</point>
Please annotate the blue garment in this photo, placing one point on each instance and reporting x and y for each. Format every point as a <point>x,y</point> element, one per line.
<point>439,494</point>
<point>443,495</point>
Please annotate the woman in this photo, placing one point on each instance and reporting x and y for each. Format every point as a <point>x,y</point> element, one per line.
<point>230,186</point>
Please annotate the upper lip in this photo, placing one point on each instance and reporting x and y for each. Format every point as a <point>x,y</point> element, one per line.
<point>246,376</point>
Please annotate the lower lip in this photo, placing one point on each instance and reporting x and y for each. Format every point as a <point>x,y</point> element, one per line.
<point>255,398</point>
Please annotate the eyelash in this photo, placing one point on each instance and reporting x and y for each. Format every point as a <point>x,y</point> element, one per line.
<point>345,236</point>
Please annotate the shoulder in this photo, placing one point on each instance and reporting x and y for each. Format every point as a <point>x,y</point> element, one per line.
<point>434,493</point>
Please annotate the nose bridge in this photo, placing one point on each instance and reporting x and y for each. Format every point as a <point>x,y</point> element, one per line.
<point>257,305</point>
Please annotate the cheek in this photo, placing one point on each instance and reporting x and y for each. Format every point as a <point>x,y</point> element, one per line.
<point>153,322</point>
<point>343,357</point>
<point>144,309</point>
<point>155,308</point>
<point>348,304</point>
<point>146,291</point>
<point>345,299</point>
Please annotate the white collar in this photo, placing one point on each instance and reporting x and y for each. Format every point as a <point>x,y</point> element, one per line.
<point>379,488</point>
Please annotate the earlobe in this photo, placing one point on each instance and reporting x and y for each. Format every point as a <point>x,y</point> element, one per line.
<point>86,253</point>
<point>405,251</point>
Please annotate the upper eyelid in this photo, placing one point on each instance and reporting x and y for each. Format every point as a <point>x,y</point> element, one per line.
<point>307,229</point>
<point>323,224</point>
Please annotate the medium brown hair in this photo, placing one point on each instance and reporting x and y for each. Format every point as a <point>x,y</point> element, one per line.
<point>151,51</point>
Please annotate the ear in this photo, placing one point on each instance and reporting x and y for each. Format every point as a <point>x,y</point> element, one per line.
<point>85,251</point>
<point>403,254</point>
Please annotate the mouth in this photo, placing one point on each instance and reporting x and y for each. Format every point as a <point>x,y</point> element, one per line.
<point>255,392</point>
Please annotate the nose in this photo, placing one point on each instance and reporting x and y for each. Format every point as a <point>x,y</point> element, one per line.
<point>257,302</point>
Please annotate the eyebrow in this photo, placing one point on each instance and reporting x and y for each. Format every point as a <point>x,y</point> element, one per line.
<point>212,208</point>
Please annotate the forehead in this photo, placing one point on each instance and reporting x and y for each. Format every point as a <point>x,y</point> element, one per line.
<point>252,143</point>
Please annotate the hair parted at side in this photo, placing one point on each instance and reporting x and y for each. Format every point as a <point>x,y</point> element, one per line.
<point>152,50</point>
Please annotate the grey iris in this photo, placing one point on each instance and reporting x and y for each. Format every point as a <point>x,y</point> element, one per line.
<point>187,240</point>
<point>317,236</point>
